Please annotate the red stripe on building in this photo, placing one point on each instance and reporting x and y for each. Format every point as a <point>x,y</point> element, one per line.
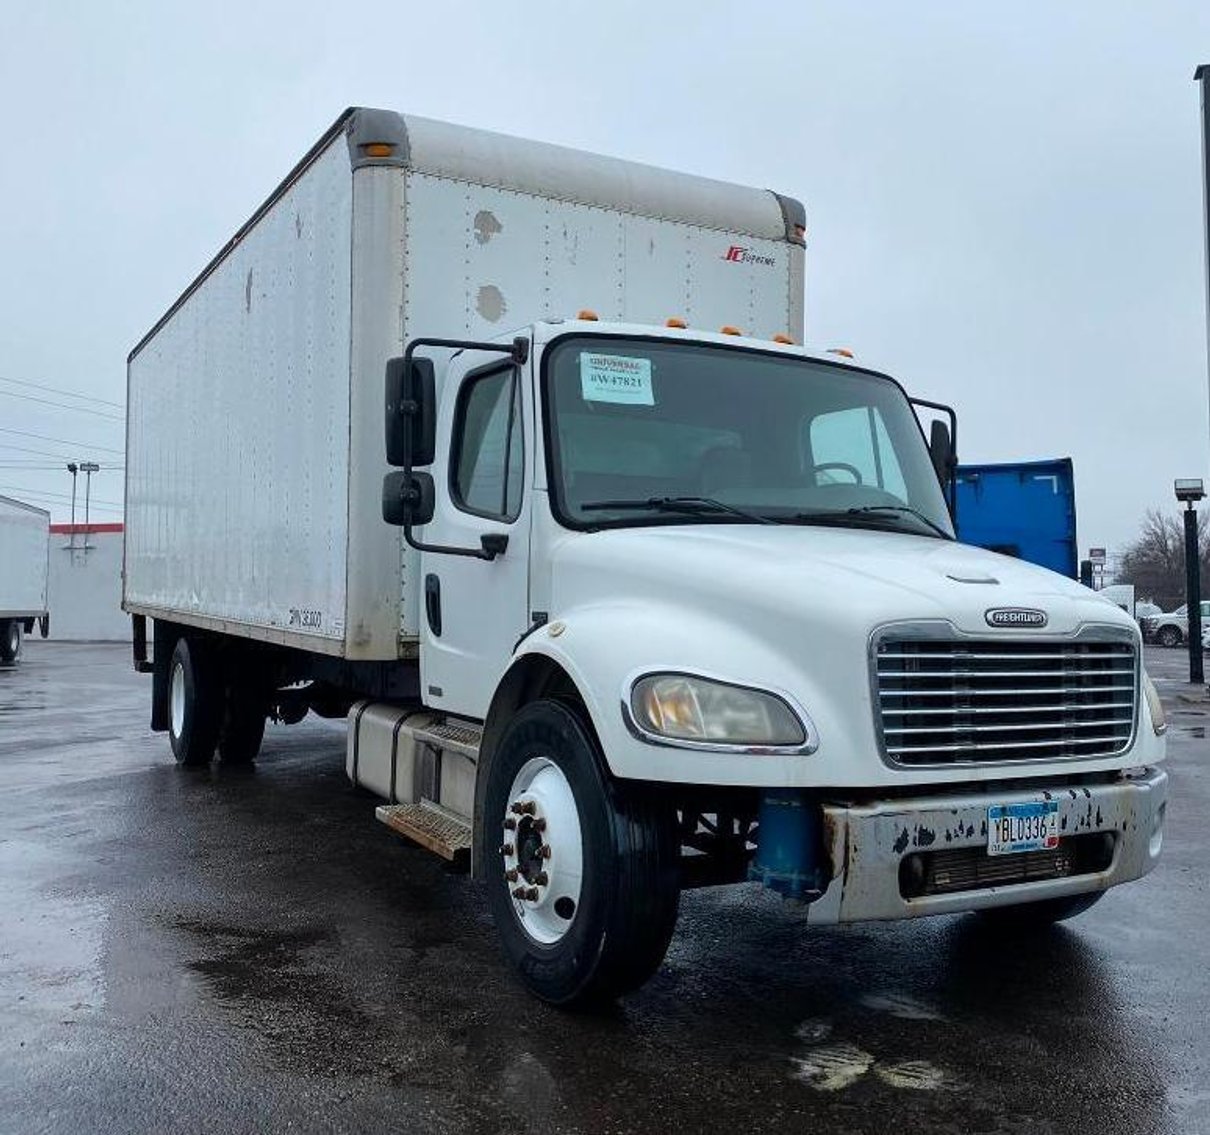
<point>84,529</point>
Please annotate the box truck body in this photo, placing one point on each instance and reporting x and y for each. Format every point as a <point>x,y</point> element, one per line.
<point>255,434</point>
<point>513,455</point>
<point>24,570</point>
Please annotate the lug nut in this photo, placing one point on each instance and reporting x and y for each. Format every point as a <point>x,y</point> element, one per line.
<point>542,879</point>
<point>507,849</point>
<point>539,824</point>
<point>510,824</point>
<point>526,894</point>
<point>512,874</point>
<point>523,808</point>
<point>544,851</point>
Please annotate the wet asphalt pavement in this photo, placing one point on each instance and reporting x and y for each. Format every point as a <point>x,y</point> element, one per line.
<point>222,951</point>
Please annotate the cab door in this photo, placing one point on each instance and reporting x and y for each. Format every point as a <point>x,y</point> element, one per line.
<point>473,610</point>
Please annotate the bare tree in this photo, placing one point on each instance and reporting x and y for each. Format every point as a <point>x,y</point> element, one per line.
<point>1155,560</point>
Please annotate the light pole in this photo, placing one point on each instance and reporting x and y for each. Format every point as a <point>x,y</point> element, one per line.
<point>1190,490</point>
<point>88,468</point>
<point>73,469</point>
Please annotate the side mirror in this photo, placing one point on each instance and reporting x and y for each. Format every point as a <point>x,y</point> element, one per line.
<point>411,413</point>
<point>941,450</point>
<point>408,498</point>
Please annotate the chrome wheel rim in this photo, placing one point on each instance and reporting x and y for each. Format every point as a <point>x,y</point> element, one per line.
<point>176,698</point>
<point>542,851</point>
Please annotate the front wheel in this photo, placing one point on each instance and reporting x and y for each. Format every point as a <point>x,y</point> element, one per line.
<point>584,882</point>
<point>1031,915</point>
<point>1169,636</point>
<point>10,641</point>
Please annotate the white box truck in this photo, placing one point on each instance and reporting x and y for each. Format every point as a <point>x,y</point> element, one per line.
<point>24,569</point>
<point>513,455</point>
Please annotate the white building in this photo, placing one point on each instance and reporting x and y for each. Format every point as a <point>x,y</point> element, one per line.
<point>85,591</point>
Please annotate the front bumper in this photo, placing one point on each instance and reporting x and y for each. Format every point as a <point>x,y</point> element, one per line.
<point>868,841</point>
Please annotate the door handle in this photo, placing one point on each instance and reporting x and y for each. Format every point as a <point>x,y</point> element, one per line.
<point>432,603</point>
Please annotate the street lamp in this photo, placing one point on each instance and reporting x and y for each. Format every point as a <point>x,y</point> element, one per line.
<point>1191,490</point>
<point>73,469</point>
<point>88,468</point>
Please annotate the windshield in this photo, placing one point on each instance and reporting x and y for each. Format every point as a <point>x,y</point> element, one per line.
<point>645,432</point>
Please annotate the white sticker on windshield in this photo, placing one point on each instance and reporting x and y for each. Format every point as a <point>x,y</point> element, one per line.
<point>615,378</point>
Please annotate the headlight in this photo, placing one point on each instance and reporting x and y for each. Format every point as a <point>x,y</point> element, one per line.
<point>692,710</point>
<point>1156,707</point>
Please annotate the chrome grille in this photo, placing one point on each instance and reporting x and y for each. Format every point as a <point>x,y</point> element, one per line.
<point>950,701</point>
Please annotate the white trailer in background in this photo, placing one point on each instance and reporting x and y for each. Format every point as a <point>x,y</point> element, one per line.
<point>24,569</point>
<point>621,588</point>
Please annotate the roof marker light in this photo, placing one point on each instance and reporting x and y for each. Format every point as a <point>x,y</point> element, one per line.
<point>587,315</point>
<point>727,329</point>
<point>843,352</point>
<point>675,321</point>
<point>780,338</point>
<point>378,149</point>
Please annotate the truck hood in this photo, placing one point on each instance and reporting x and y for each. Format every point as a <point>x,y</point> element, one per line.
<point>858,578</point>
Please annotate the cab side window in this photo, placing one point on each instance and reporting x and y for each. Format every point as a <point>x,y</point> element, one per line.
<point>487,460</point>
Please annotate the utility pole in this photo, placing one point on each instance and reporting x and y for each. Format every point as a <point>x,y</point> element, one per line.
<point>1190,490</point>
<point>73,469</point>
<point>1202,77</point>
<point>88,468</point>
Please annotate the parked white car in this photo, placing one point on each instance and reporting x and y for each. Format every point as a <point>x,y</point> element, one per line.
<point>1173,629</point>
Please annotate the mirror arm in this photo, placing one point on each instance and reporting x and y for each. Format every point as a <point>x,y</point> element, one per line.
<point>491,544</point>
<point>952,478</point>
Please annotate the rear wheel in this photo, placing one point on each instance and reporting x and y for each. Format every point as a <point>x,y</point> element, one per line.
<point>1030,915</point>
<point>195,702</point>
<point>584,884</point>
<point>10,641</point>
<point>1169,636</point>
<point>243,728</point>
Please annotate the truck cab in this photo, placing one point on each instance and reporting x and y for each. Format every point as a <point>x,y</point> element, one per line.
<point>720,574</point>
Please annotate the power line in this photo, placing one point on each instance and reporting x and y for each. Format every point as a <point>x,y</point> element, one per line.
<point>63,441</point>
<point>40,452</point>
<point>63,406</point>
<point>48,466</point>
<point>48,493</point>
<point>60,390</point>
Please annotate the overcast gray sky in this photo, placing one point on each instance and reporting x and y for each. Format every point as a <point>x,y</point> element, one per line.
<point>1004,200</point>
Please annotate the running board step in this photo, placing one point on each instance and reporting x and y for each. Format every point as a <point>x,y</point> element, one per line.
<point>451,735</point>
<point>431,826</point>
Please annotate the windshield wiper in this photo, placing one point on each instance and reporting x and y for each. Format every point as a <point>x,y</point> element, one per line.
<point>691,506</point>
<point>841,516</point>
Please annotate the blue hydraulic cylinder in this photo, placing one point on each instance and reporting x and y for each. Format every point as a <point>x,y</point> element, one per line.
<point>790,858</point>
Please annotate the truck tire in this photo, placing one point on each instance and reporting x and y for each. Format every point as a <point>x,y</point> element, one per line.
<point>243,727</point>
<point>584,885</point>
<point>1031,915</point>
<point>195,702</point>
<point>10,640</point>
<point>1169,636</point>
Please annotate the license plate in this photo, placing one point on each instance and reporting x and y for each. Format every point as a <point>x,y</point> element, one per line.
<point>1013,828</point>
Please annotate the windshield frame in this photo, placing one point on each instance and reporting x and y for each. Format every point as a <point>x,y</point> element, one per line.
<point>551,456</point>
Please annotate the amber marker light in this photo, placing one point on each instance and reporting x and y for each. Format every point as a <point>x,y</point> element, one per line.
<point>378,149</point>
<point>587,315</point>
<point>843,352</point>
<point>784,339</point>
<point>674,321</point>
<point>727,329</point>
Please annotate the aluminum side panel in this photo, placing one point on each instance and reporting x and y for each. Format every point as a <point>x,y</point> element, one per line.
<point>238,435</point>
<point>481,260</point>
